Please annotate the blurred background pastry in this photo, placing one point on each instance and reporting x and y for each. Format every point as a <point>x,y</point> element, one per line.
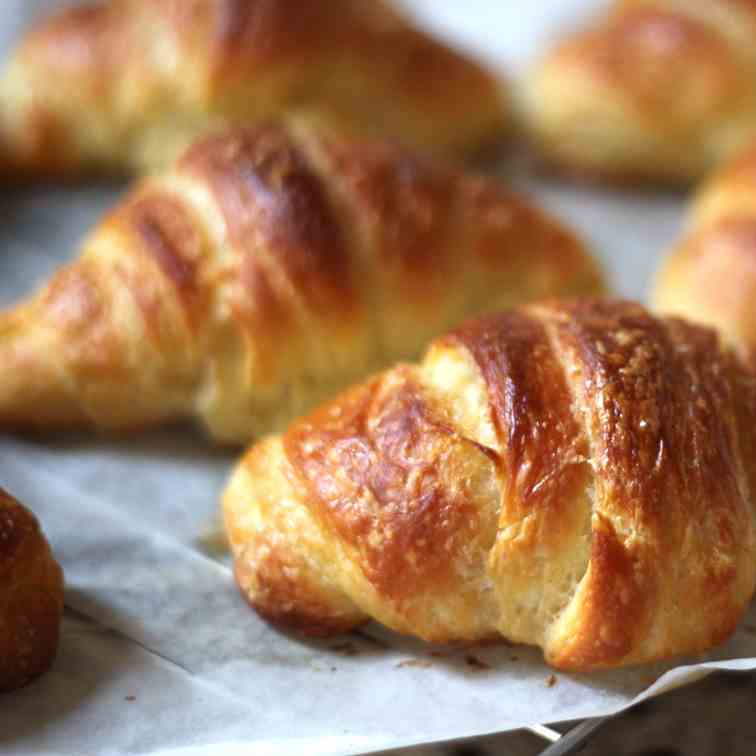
<point>654,91</point>
<point>710,275</point>
<point>124,86</point>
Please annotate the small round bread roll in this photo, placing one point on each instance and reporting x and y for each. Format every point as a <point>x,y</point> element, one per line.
<point>31,597</point>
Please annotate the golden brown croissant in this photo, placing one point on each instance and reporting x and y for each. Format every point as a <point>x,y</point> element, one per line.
<point>31,597</point>
<point>126,85</point>
<point>270,268</point>
<point>572,475</point>
<point>656,90</point>
<point>711,275</point>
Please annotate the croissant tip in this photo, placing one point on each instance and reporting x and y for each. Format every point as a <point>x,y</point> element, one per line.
<point>32,397</point>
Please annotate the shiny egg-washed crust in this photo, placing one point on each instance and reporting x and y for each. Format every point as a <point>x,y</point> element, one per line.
<point>573,475</point>
<point>270,268</point>
<point>656,91</point>
<point>126,85</point>
<point>710,275</point>
<point>31,597</point>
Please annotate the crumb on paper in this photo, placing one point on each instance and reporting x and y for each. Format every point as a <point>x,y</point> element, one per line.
<point>131,698</point>
<point>551,681</point>
<point>422,663</point>
<point>495,642</point>
<point>474,663</point>
<point>377,642</point>
<point>333,669</point>
<point>348,648</point>
<point>514,658</point>
<point>213,541</point>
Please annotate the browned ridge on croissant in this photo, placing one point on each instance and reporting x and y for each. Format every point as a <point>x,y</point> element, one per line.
<point>656,91</point>
<point>31,597</point>
<point>268,269</point>
<point>575,475</point>
<point>125,85</point>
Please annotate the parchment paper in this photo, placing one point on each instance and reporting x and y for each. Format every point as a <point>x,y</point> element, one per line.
<point>159,653</point>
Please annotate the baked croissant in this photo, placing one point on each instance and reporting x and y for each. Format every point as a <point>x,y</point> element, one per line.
<point>711,275</point>
<point>270,268</point>
<point>31,597</point>
<point>656,90</point>
<point>126,85</point>
<point>574,475</point>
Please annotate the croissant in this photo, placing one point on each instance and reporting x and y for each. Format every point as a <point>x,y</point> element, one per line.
<point>573,475</point>
<point>268,269</point>
<point>126,85</point>
<point>31,597</point>
<point>711,274</point>
<point>655,91</point>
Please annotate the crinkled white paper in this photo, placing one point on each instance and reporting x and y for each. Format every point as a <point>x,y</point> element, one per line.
<point>159,653</point>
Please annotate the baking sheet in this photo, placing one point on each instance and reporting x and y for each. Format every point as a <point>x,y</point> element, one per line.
<point>159,653</point>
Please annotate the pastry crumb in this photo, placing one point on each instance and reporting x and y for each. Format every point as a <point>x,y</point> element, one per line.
<point>422,663</point>
<point>475,663</point>
<point>348,649</point>
<point>377,642</point>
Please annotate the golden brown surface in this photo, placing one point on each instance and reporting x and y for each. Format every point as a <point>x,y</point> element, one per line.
<point>31,597</point>
<point>653,91</point>
<point>573,475</point>
<point>126,85</point>
<point>268,269</point>
<point>710,276</point>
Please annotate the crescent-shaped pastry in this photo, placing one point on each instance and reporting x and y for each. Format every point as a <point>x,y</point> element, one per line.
<point>124,86</point>
<point>710,275</point>
<point>656,91</point>
<point>268,269</point>
<point>575,475</point>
